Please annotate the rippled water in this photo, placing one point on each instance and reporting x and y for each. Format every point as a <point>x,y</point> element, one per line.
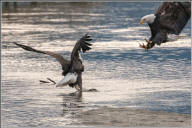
<point>124,74</point>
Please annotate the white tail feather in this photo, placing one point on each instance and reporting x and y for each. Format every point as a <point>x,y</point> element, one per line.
<point>68,79</point>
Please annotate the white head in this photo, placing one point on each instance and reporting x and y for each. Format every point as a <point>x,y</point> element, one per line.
<point>148,19</point>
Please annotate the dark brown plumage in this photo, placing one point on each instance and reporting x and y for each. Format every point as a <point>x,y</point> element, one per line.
<point>170,18</point>
<point>69,66</point>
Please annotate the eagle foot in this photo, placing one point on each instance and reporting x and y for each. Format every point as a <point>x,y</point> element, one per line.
<point>149,45</point>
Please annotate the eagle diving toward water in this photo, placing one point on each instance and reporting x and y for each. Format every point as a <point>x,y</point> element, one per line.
<point>170,18</point>
<point>72,69</point>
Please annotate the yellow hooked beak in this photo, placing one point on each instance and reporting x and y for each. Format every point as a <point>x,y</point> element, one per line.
<point>141,21</point>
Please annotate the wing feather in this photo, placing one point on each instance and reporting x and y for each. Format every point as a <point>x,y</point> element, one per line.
<point>81,45</point>
<point>174,16</point>
<point>65,63</point>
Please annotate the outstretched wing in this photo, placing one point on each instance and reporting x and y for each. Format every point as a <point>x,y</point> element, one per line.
<point>174,16</point>
<point>65,63</point>
<point>81,45</point>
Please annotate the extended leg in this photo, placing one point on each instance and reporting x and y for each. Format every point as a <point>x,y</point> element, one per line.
<point>79,81</point>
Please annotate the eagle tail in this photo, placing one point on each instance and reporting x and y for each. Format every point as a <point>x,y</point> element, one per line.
<point>68,79</point>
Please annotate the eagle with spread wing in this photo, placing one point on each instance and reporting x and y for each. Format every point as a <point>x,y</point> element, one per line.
<point>170,18</point>
<point>72,69</point>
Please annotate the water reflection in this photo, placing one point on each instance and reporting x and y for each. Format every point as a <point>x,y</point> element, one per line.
<point>72,103</point>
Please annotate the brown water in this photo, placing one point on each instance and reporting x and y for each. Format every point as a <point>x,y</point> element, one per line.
<point>124,74</point>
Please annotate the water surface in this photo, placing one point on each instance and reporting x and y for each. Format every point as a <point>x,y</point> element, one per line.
<point>124,74</point>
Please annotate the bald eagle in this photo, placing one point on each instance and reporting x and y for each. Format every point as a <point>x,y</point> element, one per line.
<point>72,69</point>
<point>170,18</point>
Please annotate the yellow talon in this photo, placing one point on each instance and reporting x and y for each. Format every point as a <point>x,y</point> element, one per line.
<point>148,46</point>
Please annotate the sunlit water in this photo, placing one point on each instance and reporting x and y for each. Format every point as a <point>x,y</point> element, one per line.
<point>124,74</point>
